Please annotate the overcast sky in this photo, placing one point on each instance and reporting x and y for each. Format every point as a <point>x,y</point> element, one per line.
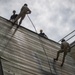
<point>55,17</point>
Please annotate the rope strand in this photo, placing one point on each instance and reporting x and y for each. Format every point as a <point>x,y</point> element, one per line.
<point>10,38</point>
<point>41,44</point>
<point>32,23</point>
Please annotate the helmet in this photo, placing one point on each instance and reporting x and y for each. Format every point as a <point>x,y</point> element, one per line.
<point>41,30</point>
<point>25,4</point>
<point>14,11</point>
<point>62,40</point>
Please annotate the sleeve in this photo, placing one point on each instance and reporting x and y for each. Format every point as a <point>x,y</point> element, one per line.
<point>28,11</point>
<point>45,35</point>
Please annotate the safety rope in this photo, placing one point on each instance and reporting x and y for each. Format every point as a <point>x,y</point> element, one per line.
<point>39,40</point>
<point>41,44</point>
<point>6,46</point>
<point>10,38</point>
<point>32,23</point>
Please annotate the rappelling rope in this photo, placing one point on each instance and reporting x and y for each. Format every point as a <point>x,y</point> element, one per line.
<point>32,23</point>
<point>10,38</point>
<point>41,43</point>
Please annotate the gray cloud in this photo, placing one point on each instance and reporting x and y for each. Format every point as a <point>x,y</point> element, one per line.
<point>55,17</point>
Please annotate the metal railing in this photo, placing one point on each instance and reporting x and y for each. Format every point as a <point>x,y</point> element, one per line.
<point>70,36</point>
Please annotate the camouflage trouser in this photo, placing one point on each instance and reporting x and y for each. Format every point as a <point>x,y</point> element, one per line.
<point>12,20</point>
<point>22,16</point>
<point>64,55</point>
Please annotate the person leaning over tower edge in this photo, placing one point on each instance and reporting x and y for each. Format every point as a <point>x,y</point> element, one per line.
<point>24,10</point>
<point>65,48</point>
<point>12,18</point>
<point>42,34</point>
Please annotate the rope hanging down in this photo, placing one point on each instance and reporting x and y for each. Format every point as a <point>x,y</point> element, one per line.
<point>32,23</point>
<point>5,48</point>
<point>41,44</point>
<point>39,39</point>
<point>10,38</point>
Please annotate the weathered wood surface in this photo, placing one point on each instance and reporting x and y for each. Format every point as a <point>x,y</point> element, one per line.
<point>26,54</point>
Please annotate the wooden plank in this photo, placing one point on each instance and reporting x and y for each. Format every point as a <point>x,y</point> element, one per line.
<point>27,55</point>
